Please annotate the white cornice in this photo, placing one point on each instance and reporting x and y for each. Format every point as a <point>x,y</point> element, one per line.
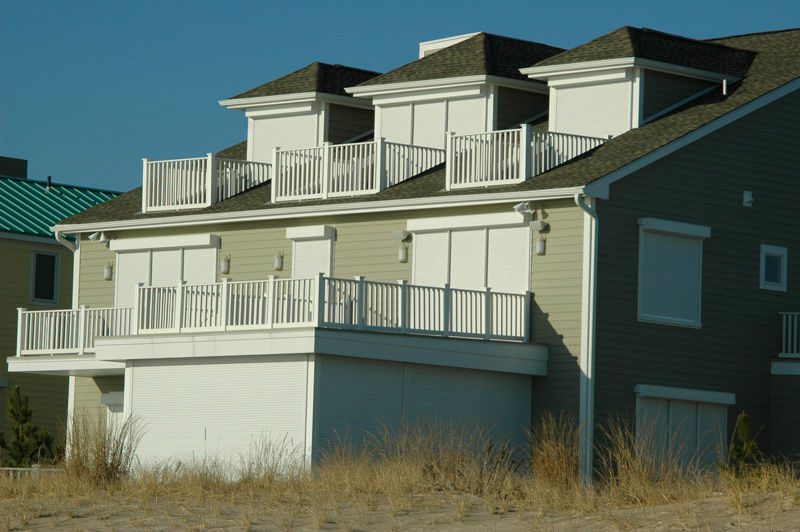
<point>296,98</point>
<point>545,72</point>
<point>369,91</point>
<point>29,238</point>
<point>311,211</point>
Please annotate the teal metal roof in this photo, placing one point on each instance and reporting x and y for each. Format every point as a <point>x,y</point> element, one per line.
<point>28,207</point>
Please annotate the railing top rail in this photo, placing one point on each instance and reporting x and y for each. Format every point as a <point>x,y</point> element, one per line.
<point>571,135</point>
<point>788,313</point>
<point>52,311</point>
<point>154,161</point>
<point>487,133</point>
<point>391,143</point>
<point>243,161</point>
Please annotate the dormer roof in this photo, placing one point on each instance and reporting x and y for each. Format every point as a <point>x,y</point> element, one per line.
<point>645,43</point>
<point>481,54</point>
<point>316,77</point>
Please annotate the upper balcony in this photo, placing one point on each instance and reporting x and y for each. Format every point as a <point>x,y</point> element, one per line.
<point>197,182</point>
<point>270,304</point>
<point>509,156</point>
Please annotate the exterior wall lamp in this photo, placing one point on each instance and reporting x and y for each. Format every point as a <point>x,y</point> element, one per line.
<point>402,251</point>
<point>108,272</point>
<point>225,265</point>
<point>277,262</point>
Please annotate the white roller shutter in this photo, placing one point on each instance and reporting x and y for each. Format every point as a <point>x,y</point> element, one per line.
<point>215,409</point>
<point>431,258</point>
<point>166,267</point>
<point>508,259</point>
<point>200,265</point>
<point>311,257</point>
<point>468,259</point>
<point>133,267</point>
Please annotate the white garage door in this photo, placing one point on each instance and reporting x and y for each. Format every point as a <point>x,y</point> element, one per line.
<point>218,408</point>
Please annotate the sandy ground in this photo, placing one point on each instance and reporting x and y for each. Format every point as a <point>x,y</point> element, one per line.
<point>467,513</point>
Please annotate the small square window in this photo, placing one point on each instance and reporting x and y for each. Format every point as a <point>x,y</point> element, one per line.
<point>45,277</point>
<point>773,268</point>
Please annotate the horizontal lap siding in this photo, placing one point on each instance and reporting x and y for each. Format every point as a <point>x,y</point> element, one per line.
<point>703,184</point>
<point>345,123</point>
<point>663,90</point>
<point>514,106</point>
<point>556,279</point>
<point>784,429</point>
<point>93,290</point>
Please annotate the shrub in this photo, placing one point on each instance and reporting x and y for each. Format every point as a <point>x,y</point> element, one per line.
<point>28,444</point>
<point>100,449</point>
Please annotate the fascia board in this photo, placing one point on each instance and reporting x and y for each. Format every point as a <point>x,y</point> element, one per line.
<point>440,223</point>
<point>258,101</point>
<point>164,242</point>
<point>410,86</point>
<point>545,72</point>
<point>324,210</point>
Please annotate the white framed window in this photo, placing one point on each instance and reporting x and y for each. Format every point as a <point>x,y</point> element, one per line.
<point>44,278</point>
<point>773,269</point>
<point>670,272</point>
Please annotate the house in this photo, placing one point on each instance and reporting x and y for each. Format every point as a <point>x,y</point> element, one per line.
<point>37,274</point>
<point>497,228</point>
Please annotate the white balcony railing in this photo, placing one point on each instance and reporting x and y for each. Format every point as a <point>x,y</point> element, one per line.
<point>197,182</point>
<point>326,302</point>
<point>509,156</point>
<point>334,170</point>
<point>790,344</point>
<point>71,331</point>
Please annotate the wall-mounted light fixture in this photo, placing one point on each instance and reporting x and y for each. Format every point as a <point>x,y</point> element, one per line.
<point>541,227</point>
<point>402,251</point>
<point>747,198</point>
<point>225,265</point>
<point>277,262</point>
<point>108,272</point>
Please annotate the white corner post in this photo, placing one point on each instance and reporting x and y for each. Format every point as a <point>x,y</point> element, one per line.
<point>448,157</point>
<point>361,293</point>
<point>145,184</point>
<point>588,324</point>
<point>81,329</point>
<point>271,300</point>
<point>137,308</point>
<point>381,177</point>
<point>525,151</point>
<point>211,179</point>
<point>20,328</point>
<point>326,169</point>
<point>320,314</point>
<point>223,303</point>
<point>403,305</point>
<point>275,172</point>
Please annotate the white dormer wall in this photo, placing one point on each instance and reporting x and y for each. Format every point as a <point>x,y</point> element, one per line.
<point>595,104</point>
<point>289,126</point>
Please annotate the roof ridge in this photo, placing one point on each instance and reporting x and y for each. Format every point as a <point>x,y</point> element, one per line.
<point>768,32</point>
<point>62,185</point>
<point>705,42</point>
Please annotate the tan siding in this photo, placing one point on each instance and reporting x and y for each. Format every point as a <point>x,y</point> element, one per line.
<point>89,389</point>
<point>703,184</point>
<point>556,285</point>
<point>348,122</point>
<point>93,290</point>
<point>514,106</point>
<point>48,395</point>
<point>663,90</point>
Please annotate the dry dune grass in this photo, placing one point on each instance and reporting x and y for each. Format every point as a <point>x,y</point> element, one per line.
<point>428,476</point>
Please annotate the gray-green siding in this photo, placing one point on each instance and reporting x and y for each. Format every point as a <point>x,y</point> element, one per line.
<point>345,123</point>
<point>784,427</point>
<point>663,90</point>
<point>703,184</point>
<point>514,106</point>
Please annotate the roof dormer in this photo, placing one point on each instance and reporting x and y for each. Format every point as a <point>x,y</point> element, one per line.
<point>630,76</point>
<point>305,108</point>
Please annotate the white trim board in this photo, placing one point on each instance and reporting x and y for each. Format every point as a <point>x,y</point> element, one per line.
<point>296,98</point>
<point>164,242</point>
<point>685,394</point>
<point>544,72</point>
<point>310,232</point>
<point>659,225</point>
<point>303,211</point>
<point>600,188</point>
<point>464,222</point>
<point>368,91</point>
<point>47,241</point>
<point>785,367</point>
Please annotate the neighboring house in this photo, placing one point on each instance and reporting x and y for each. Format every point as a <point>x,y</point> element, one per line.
<point>609,230</point>
<point>36,274</point>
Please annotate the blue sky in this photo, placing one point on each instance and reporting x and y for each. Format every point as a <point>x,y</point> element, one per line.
<point>91,87</point>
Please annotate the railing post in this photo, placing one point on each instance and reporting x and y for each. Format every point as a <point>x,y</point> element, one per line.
<point>320,310</point>
<point>137,307</point>
<point>487,314</point>
<point>360,303</point>
<point>381,174</point>
<point>271,300</point>
<point>403,305</point>
<point>20,328</point>
<point>223,303</point>
<point>179,307</point>
<point>81,329</point>
<point>275,172</point>
<point>449,139</point>
<point>326,169</point>
<point>526,318</point>
<point>525,149</point>
<point>145,184</point>
<point>446,303</point>
<point>211,179</point>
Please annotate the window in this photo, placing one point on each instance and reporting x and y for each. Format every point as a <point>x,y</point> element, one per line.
<point>45,277</point>
<point>670,272</point>
<point>774,261</point>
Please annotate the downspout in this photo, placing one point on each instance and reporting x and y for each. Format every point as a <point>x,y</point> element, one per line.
<point>64,242</point>
<point>588,321</point>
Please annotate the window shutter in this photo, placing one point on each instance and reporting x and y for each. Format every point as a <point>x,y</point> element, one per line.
<point>431,258</point>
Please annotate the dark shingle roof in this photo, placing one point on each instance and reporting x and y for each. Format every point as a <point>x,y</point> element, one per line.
<point>31,207</point>
<point>237,151</point>
<point>483,53</point>
<point>316,77</point>
<point>658,46</point>
<point>776,63</point>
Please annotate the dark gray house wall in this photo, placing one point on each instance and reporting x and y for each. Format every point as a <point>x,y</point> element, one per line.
<point>741,331</point>
<point>662,90</point>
